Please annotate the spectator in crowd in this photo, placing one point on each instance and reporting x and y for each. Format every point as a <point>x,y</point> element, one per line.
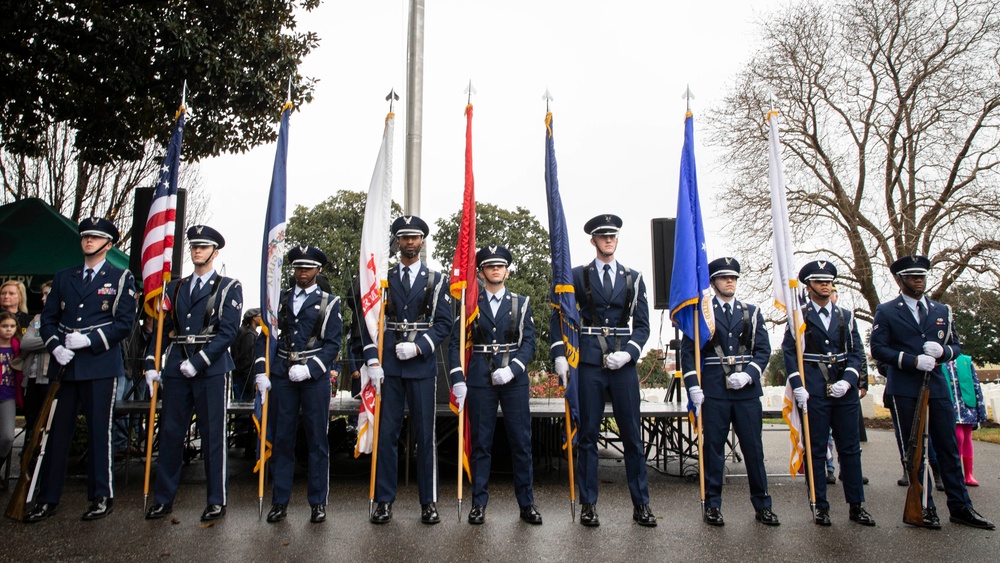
<point>10,384</point>
<point>14,300</point>
<point>967,396</point>
<point>36,365</point>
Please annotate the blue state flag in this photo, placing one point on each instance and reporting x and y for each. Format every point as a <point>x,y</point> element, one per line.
<point>273,251</point>
<point>690,293</point>
<point>563,295</point>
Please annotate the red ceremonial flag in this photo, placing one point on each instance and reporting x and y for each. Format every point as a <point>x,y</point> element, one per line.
<point>463,267</point>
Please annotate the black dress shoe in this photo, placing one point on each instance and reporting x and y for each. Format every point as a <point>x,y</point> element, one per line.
<point>531,515</point>
<point>643,514</point>
<point>713,517</point>
<point>766,517</point>
<point>382,514</point>
<point>822,517</point>
<point>904,481</point>
<point>588,515</point>
<point>864,480</point>
<point>860,515</point>
<point>931,519</point>
<point>40,512</point>
<point>429,513</point>
<point>213,512</point>
<point>318,514</point>
<point>477,515</point>
<point>831,479</point>
<point>158,511</point>
<point>277,513</point>
<point>99,508</point>
<point>968,516</point>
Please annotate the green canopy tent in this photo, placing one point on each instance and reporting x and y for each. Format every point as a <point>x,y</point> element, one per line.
<point>36,242</point>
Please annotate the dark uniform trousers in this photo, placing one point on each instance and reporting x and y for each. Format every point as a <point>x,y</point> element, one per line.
<point>104,311</point>
<point>829,414</point>
<point>484,397</point>
<point>897,340</point>
<point>311,398</point>
<point>596,382</point>
<point>206,394</point>
<point>723,407</point>
<point>412,382</point>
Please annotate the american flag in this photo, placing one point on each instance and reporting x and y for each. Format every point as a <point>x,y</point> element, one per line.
<point>158,240</point>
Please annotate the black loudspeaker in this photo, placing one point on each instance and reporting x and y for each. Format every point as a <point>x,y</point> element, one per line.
<point>143,199</point>
<point>663,260</point>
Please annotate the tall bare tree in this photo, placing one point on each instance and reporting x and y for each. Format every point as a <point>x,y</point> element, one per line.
<point>890,121</point>
<point>78,189</point>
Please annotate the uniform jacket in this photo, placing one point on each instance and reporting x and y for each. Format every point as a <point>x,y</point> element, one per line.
<point>225,310</point>
<point>897,341</point>
<point>104,311</point>
<point>492,330</point>
<point>301,328</point>
<point>713,377</point>
<point>401,307</point>
<point>608,315</point>
<point>826,341</point>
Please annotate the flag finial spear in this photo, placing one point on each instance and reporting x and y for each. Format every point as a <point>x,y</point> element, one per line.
<point>770,97</point>
<point>688,96</point>
<point>184,93</point>
<point>391,97</point>
<point>548,98</point>
<point>470,91</point>
<point>289,99</point>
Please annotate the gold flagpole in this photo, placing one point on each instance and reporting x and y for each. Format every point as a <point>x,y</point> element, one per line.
<point>569,449</point>
<point>378,400</point>
<point>701,436</point>
<point>805,414</point>
<point>153,395</point>
<point>461,413</point>
<point>263,423</point>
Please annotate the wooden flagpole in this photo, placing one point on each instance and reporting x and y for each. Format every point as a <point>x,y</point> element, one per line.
<point>569,451</point>
<point>378,400</point>
<point>157,360</point>
<point>810,478</point>
<point>701,435</point>
<point>461,413</point>
<point>263,424</point>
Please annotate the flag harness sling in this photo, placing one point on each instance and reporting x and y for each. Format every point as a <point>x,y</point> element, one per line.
<point>513,330</point>
<point>626,311</point>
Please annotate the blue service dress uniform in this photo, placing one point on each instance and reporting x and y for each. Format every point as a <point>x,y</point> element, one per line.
<point>897,339</point>
<point>311,337</point>
<point>830,355</point>
<point>743,345</point>
<point>104,311</point>
<point>421,314</point>
<point>506,340</point>
<point>598,314</point>
<point>201,328</point>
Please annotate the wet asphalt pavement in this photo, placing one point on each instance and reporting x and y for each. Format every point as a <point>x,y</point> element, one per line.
<point>347,534</point>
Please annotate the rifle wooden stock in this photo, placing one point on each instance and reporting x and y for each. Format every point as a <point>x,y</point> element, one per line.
<point>16,508</point>
<point>913,511</point>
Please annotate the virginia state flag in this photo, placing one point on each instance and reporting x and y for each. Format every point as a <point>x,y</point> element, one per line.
<point>373,269</point>
<point>690,293</point>
<point>273,252</point>
<point>563,295</point>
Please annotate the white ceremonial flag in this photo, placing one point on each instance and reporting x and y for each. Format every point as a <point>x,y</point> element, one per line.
<point>786,283</point>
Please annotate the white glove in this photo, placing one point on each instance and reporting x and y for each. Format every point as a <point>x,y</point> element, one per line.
<point>406,350</point>
<point>151,378</point>
<point>460,390</point>
<point>376,375</point>
<point>802,398</point>
<point>502,376</point>
<point>738,380</point>
<point>188,369</point>
<point>298,373</point>
<point>562,369</point>
<point>617,360</point>
<point>75,341</point>
<point>63,355</point>
<point>697,397</point>
<point>925,363</point>
<point>839,389</point>
<point>263,383</point>
<point>933,349</point>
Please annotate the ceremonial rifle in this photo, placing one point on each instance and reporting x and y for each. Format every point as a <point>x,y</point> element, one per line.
<point>913,512</point>
<point>34,450</point>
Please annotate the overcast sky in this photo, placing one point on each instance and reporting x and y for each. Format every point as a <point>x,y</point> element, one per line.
<point>617,71</point>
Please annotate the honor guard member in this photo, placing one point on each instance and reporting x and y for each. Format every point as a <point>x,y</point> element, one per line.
<point>202,324</point>
<point>832,356</point>
<point>310,329</point>
<point>89,311</point>
<point>730,391</point>
<point>503,342</point>
<point>913,336</point>
<point>609,296</point>
<point>418,318</point>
